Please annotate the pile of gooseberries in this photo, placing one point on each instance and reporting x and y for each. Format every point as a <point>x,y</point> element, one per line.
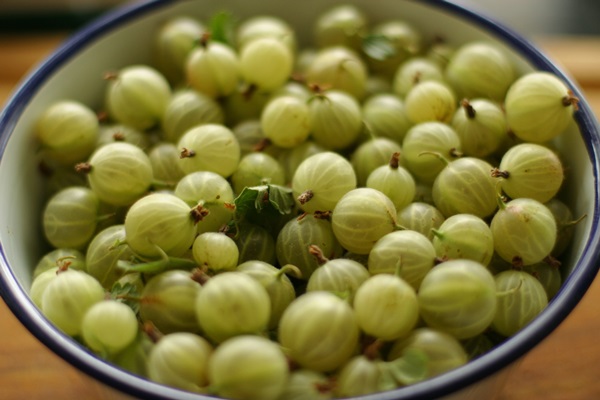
<point>250,219</point>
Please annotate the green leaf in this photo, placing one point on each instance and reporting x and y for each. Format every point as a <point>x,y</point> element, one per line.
<point>126,293</point>
<point>378,47</point>
<point>262,198</point>
<point>222,26</point>
<point>281,198</point>
<point>268,206</point>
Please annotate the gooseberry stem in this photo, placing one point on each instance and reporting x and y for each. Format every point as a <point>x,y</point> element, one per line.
<point>497,173</point>
<point>316,251</point>
<point>152,331</point>
<point>110,75</point>
<point>469,110</point>
<point>552,262</point>
<point>326,215</point>
<point>83,167</point>
<point>395,160</point>
<point>572,223</point>
<point>198,213</point>
<point>305,197</point>
<point>571,100</point>
<point>204,40</point>
<point>199,275</point>
<point>262,145</point>
<point>372,350</point>
<point>63,263</point>
<point>289,268</point>
<point>187,153</point>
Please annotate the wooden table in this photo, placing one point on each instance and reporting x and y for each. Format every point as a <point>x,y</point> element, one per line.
<point>565,366</point>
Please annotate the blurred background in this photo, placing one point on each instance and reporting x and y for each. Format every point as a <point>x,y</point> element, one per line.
<point>528,17</point>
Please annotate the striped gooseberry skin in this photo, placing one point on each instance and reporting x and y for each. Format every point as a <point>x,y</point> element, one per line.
<point>164,158</point>
<point>464,236</point>
<point>565,223</point>
<point>429,137</point>
<point>359,376</point>
<point>186,109</point>
<point>421,217</point>
<point>248,367</point>
<point>285,121</point>
<point>215,251</point>
<point>69,217</point>
<point>481,125</point>
<point>67,131</point>
<point>521,297</point>
<point>524,231</point>
<point>372,154</point>
<point>458,297</point>
<point>406,40</point>
<point>413,71</point>
<point>335,119</point>
<point>297,235</point>
<point>539,107</point>
<point>361,218</point>
<point>209,147</point>
<point>212,192</point>
<point>412,251</point>
<point>167,300</point>
<point>213,69</point>
<point>266,62</point>
<point>340,275</point>
<point>265,26</point>
<point>430,101</point>
<point>385,116</point>
<point>230,304</point>
<point>339,68</point>
<point>56,257</point>
<point>67,297</point>
<point>319,330</point>
<point>157,223</point>
<point>480,69</point>
<point>100,322</point>
<point>174,41</point>
<point>307,384</point>
<point>465,186</point>
<point>255,243</point>
<point>257,169</point>
<point>180,360</point>
<point>386,307</point>
<point>137,96</point>
<point>321,181</point>
<point>290,159</point>
<point>530,170</point>
<point>444,351</point>
<point>548,274</point>
<point>120,173</point>
<point>104,252</point>
<point>110,133</point>
<point>394,181</point>
<point>279,287</point>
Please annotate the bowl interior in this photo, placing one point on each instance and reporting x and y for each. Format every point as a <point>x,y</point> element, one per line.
<point>125,37</point>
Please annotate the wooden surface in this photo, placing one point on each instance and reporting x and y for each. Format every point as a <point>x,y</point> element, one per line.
<point>564,366</point>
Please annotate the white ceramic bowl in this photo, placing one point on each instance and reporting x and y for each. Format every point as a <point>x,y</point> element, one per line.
<point>122,37</point>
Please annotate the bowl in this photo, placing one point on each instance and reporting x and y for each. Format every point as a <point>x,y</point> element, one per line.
<point>120,38</point>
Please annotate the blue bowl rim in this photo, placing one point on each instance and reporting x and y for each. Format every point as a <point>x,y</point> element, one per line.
<point>571,293</point>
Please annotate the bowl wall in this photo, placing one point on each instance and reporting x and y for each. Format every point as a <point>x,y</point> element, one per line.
<point>124,37</point>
